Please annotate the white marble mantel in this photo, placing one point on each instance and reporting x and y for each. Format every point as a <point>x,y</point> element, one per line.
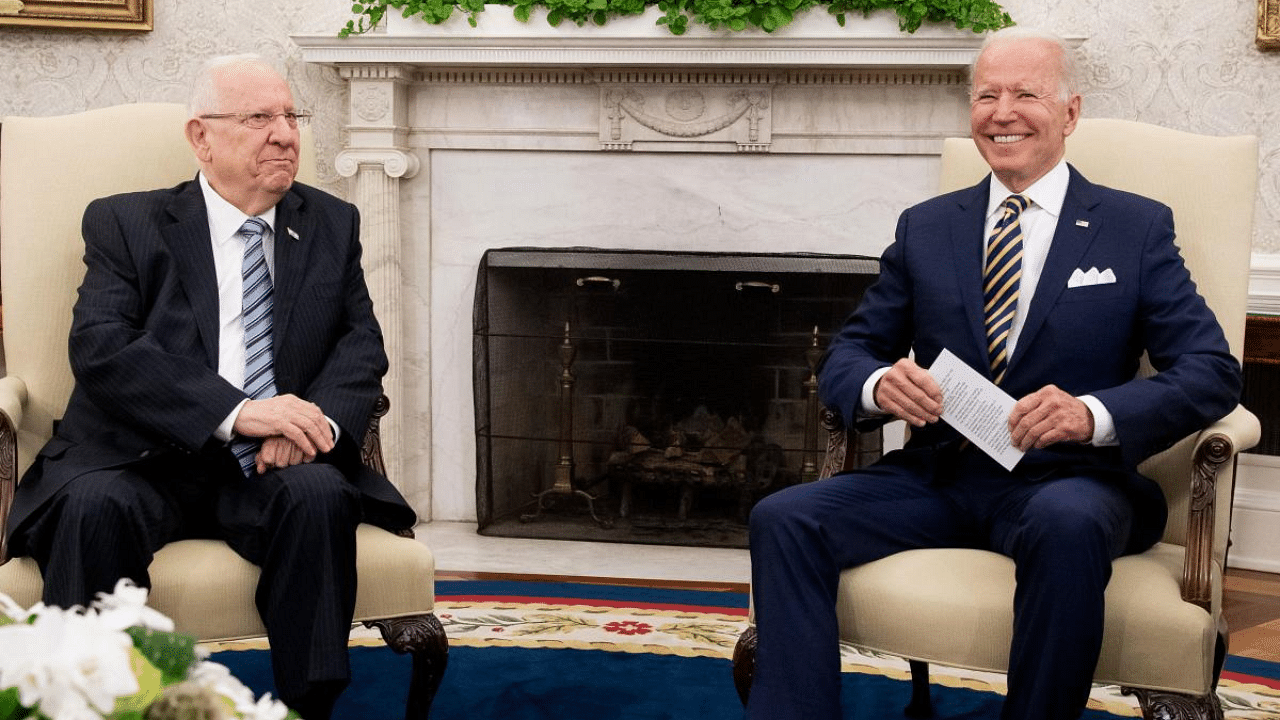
<point>460,140</point>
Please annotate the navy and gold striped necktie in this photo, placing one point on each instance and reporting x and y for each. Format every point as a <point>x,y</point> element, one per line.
<point>1001,277</point>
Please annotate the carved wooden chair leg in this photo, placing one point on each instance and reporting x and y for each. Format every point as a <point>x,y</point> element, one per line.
<point>1160,705</point>
<point>422,636</point>
<point>921,705</point>
<point>744,663</point>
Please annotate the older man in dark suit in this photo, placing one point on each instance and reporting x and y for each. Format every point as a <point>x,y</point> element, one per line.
<point>226,359</point>
<point>991,274</point>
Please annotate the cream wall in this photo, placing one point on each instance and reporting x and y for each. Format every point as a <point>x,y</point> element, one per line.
<point>1187,64</point>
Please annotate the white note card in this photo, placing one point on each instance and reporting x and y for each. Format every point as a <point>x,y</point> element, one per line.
<point>976,408</point>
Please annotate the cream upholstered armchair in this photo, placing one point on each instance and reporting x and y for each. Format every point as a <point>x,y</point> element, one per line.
<point>1165,638</point>
<point>50,169</point>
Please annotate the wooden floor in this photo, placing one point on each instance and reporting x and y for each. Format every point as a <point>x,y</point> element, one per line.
<point>1251,604</point>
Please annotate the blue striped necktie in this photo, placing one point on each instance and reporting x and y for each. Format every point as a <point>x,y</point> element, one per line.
<point>259,367</point>
<point>1001,277</point>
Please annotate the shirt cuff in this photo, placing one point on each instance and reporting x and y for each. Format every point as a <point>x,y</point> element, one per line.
<point>868,404</point>
<point>1104,426</point>
<point>226,430</point>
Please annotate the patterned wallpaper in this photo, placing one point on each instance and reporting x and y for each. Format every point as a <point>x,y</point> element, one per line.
<point>45,72</point>
<point>1186,64</point>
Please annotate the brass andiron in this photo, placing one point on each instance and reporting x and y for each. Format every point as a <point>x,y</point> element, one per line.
<point>809,470</point>
<point>562,473</point>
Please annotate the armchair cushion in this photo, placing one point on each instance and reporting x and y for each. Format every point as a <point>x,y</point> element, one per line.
<point>203,586</point>
<point>955,607</point>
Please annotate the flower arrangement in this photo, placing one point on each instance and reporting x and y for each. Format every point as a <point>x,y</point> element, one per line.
<point>116,660</point>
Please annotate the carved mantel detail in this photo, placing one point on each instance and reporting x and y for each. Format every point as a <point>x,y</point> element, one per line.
<point>734,114</point>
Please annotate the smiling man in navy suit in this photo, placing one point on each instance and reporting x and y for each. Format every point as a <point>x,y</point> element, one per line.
<point>1052,287</point>
<point>226,361</point>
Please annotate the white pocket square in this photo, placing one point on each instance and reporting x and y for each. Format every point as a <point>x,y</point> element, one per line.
<point>1080,278</point>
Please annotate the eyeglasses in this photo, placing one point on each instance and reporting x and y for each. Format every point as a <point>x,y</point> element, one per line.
<point>260,120</point>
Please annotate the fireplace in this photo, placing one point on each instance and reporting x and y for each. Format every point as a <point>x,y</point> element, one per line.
<point>460,142</point>
<point>645,396</point>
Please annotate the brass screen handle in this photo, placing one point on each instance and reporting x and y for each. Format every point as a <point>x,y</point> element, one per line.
<point>772,287</point>
<point>582,281</point>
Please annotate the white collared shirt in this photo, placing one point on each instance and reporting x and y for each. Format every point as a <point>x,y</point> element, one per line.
<point>225,221</point>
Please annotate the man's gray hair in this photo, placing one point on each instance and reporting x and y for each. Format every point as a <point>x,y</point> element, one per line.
<point>1068,71</point>
<point>204,89</point>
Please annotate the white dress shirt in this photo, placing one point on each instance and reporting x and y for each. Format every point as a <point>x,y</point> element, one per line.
<point>225,221</point>
<point>1038,221</point>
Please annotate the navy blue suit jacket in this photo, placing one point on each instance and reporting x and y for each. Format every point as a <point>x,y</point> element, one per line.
<point>1085,340</point>
<point>144,340</point>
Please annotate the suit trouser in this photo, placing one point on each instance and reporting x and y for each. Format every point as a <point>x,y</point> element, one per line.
<point>297,525</point>
<point>1062,535</point>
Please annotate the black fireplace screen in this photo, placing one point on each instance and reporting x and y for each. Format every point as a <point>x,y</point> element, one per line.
<point>641,396</point>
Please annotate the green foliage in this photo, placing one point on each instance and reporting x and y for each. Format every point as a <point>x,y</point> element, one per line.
<point>768,15</point>
<point>171,653</point>
<point>10,708</point>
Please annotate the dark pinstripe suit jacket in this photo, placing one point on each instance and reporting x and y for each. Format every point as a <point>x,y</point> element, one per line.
<point>144,340</point>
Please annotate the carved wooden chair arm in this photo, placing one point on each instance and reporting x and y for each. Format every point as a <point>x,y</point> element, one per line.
<point>847,448</point>
<point>371,452</point>
<point>1216,446</point>
<point>837,442</point>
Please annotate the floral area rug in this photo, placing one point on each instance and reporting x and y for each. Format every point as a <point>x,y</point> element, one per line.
<point>535,649</point>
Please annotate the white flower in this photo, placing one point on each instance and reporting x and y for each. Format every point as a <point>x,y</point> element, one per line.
<point>126,607</point>
<point>219,679</point>
<point>67,662</point>
<point>75,663</point>
<point>266,709</point>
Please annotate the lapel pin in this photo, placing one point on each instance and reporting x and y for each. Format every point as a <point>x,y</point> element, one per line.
<point>1079,223</point>
<point>292,233</point>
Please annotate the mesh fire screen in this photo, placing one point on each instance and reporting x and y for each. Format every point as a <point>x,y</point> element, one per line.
<point>653,397</point>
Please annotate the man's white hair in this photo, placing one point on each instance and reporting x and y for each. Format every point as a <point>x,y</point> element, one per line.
<point>204,97</point>
<point>1068,70</point>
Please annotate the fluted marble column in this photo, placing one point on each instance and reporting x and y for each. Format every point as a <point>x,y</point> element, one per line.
<point>377,158</point>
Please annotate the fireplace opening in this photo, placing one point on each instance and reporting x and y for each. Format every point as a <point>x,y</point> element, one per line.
<point>644,396</point>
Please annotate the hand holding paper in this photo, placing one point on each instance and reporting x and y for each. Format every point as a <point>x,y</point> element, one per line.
<point>976,408</point>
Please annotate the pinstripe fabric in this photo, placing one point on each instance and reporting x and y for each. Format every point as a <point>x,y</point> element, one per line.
<point>1001,277</point>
